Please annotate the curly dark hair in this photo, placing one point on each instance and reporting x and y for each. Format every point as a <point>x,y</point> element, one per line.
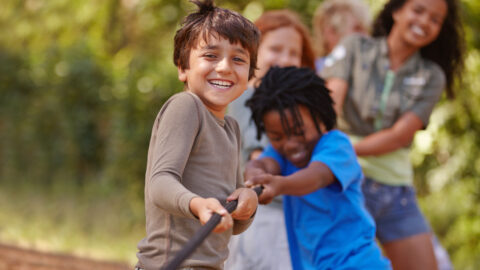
<point>285,89</point>
<point>448,50</point>
<point>211,21</point>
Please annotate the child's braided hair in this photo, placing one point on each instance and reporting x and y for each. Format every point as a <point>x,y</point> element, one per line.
<point>286,88</point>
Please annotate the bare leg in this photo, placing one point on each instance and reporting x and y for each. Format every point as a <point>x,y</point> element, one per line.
<point>412,253</point>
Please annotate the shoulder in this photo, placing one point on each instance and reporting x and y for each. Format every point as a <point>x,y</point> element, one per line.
<point>336,136</point>
<point>185,98</point>
<point>183,102</point>
<point>229,120</point>
<point>334,144</point>
<point>183,107</point>
<point>359,41</point>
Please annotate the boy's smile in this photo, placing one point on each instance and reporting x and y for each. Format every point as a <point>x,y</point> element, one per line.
<point>217,73</point>
<point>298,146</point>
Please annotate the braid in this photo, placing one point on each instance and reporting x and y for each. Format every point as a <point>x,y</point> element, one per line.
<point>284,89</point>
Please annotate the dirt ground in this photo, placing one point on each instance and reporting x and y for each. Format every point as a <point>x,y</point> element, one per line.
<point>15,258</point>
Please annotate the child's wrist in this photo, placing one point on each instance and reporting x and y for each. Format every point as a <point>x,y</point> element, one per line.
<point>280,185</point>
<point>194,204</point>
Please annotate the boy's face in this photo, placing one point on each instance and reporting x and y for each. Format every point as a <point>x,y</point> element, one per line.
<point>217,73</point>
<point>298,147</point>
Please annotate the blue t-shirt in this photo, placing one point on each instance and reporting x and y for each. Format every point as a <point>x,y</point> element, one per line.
<point>330,228</point>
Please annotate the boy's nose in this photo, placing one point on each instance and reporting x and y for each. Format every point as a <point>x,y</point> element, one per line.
<point>290,145</point>
<point>224,66</point>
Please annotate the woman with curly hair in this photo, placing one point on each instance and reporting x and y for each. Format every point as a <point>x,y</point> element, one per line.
<point>385,89</point>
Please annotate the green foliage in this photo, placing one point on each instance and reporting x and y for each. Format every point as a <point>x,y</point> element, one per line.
<point>81,82</point>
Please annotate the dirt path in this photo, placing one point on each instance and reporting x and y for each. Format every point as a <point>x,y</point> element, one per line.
<point>15,258</point>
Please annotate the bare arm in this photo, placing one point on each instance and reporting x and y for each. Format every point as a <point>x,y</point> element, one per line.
<point>260,166</point>
<point>384,141</point>
<point>316,175</point>
<point>388,140</point>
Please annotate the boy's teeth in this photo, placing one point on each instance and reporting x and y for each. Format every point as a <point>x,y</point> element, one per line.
<point>221,83</point>
<point>297,155</point>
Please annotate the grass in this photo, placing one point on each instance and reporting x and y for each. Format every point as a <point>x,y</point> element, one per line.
<point>88,221</point>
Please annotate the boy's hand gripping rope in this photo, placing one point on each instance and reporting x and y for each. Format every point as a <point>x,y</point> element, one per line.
<point>201,234</point>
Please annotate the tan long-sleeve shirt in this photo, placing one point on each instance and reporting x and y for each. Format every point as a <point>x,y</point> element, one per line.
<point>191,153</point>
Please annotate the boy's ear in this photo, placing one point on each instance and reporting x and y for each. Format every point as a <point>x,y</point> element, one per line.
<point>182,75</point>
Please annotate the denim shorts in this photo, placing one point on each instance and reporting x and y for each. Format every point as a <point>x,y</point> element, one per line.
<point>395,211</point>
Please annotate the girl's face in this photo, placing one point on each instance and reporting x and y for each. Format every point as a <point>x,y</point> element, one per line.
<point>281,47</point>
<point>297,147</point>
<point>418,22</point>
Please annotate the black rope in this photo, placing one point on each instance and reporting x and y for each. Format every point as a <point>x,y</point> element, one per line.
<point>201,234</point>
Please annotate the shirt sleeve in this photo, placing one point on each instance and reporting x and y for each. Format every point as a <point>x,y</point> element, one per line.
<point>339,63</point>
<point>426,99</point>
<point>270,152</point>
<point>336,151</point>
<point>173,136</point>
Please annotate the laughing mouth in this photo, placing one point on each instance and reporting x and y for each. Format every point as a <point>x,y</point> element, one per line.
<point>297,157</point>
<point>221,84</point>
<point>418,31</point>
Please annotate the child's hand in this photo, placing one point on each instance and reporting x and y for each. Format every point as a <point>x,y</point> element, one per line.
<point>204,209</point>
<point>271,186</point>
<point>247,203</point>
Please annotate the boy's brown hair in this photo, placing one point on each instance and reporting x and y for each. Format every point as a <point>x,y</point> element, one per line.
<point>209,21</point>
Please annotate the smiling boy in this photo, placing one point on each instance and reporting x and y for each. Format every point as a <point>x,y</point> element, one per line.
<point>194,154</point>
<point>315,167</point>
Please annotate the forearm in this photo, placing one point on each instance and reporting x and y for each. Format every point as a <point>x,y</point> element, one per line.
<point>379,143</point>
<point>267,165</point>
<point>167,193</point>
<point>391,139</point>
<point>317,175</point>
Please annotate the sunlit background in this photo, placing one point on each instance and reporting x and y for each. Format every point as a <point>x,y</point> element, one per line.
<point>81,82</point>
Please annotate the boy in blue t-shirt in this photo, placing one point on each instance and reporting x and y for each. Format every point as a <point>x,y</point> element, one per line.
<point>315,167</point>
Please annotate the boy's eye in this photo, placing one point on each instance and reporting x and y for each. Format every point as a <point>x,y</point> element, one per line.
<point>273,137</point>
<point>239,59</point>
<point>210,55</point>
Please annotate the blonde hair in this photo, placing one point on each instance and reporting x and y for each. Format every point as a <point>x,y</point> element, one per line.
<point>334,13</point>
